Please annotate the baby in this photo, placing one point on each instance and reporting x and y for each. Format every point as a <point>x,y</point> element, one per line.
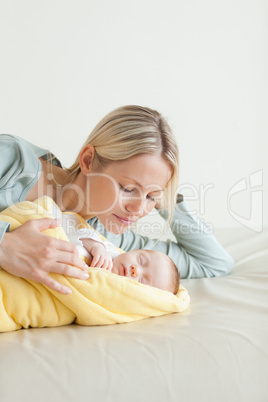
<point>149,267</point>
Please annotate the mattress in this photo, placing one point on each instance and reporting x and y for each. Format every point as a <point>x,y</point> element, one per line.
<point>217,350</point>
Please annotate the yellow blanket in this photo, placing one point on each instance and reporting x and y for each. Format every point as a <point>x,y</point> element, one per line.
<point>103,299</point>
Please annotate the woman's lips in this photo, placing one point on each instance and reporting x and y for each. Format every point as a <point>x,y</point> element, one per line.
<point>125,221</point>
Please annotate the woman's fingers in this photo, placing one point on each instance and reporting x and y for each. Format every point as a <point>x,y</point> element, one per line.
<point>49,244</point>
<point>67,270</point>
<point>44,223</point>
<point>64,252</point>
<point>30,254</point>
<point>45,279</point>
<point>51,283</point>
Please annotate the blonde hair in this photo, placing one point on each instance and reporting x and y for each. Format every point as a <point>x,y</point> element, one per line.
<point>130,131</point>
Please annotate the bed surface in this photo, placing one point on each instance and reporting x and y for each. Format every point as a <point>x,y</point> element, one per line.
<point>217,350</point>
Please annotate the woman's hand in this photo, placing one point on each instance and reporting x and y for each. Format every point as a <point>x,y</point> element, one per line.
<point>30,254</point>
<point>100,257</point>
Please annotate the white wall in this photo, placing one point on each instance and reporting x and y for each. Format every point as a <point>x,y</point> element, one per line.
<point>203,64</point>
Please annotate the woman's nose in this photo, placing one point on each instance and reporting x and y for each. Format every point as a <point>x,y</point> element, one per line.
<point>135,206</point>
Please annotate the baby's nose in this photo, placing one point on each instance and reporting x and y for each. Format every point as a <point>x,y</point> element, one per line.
<point>134,271</point>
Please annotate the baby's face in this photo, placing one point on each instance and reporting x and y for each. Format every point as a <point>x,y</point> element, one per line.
<point>145,266</point>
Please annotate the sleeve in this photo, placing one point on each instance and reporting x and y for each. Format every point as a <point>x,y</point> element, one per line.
<point>18,173</point>
<point>4,227</point>
<point>20,169</point>
<point>196,252</point>
<point>8,160</point>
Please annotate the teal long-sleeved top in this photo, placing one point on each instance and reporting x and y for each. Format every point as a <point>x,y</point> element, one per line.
<point>196,252</point>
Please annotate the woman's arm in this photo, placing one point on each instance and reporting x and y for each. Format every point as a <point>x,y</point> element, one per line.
<point>26,252</point>
<point>196,252</point>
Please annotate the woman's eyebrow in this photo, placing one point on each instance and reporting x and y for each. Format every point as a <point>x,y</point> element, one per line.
<point>157,191</point>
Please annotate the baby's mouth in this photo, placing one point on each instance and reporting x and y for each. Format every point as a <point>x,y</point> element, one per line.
<point>124,270</point>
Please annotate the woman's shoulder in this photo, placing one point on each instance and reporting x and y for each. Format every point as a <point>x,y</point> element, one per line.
<point>16,150</point>
<point>20,168</point>
<point>13,145</point>
<point>18,157</point>
<point>9,143</point>
<point>10,152</point>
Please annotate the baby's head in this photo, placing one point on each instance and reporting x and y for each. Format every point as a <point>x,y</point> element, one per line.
<point>149,267</point>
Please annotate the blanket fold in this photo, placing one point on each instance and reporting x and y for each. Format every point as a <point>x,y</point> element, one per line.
<point>105,298</point>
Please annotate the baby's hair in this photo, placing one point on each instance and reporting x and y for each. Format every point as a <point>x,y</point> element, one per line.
<point>175,277</point>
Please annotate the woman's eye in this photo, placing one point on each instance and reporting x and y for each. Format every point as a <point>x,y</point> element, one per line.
<point>126,190</point>
<point>151,198</point>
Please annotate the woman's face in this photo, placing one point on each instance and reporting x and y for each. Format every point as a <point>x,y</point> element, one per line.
<point>126,191</point>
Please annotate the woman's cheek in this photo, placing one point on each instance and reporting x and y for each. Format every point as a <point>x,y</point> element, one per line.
<point>103,196</point>
<point>148,207</point>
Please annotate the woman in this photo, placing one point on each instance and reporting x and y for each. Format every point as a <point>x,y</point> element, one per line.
<point>128,163</point>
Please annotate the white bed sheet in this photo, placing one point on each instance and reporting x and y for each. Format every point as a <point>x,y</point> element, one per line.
<point>215,351</point>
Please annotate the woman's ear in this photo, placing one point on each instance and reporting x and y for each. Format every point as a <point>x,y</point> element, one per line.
<point>86,158</point>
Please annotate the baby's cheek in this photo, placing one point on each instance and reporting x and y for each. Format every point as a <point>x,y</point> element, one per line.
<point>114,269</point>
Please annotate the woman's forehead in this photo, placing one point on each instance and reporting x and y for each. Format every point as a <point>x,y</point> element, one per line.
<point>144,170</point>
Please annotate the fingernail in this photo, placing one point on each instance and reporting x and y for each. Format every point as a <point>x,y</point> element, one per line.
<point>68,291</point>
<point>86,276</point>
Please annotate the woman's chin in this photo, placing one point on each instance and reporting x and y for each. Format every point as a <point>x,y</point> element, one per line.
<point>114,227</point>
<point>119,231</point>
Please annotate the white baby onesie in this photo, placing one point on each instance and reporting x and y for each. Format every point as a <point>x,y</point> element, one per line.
<point>71,226</point>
